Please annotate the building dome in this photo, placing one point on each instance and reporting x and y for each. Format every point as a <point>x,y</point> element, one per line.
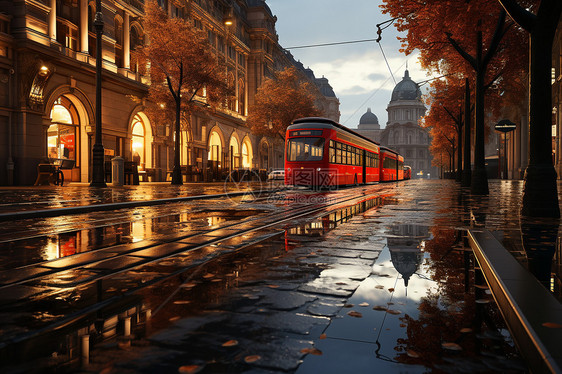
<point>406,89</point>
<point>369,118</point>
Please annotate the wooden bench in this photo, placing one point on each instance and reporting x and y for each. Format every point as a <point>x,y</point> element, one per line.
<point>44,174</point>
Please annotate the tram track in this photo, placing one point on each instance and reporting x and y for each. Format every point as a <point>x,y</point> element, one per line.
<point>165,245</point>
<point>29,226</point>
<point>223,240</point>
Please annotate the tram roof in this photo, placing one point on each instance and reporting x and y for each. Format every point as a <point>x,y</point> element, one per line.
<point>324,123</point>
<point>384,148</point>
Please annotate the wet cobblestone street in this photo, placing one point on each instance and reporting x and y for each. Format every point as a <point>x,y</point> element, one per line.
<point>384,284</point>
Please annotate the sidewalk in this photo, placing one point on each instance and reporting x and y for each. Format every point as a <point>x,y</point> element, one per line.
<point>26,198</point>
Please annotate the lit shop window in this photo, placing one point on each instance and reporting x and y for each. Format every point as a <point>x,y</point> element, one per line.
<point>246,154</point>
<point>138,143</point>
<point>61,135</point>
<point>215,147</point>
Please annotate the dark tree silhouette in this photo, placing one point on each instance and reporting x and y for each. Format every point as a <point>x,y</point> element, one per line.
<point>540,196</point>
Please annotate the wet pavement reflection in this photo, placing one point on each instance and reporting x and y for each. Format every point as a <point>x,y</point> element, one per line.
<point>14,199</point>
<point>385,283</point>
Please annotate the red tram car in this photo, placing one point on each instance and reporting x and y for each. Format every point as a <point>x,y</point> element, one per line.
<point>392,165</point>
<point>407,172</point>
<point>322,153</point>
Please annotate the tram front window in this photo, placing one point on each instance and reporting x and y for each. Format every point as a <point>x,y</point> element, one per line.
<point>305,149</point>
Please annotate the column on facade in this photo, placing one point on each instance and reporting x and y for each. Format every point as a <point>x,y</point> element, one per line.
<point>84,26</point>
<point>53,21</point>
<point>126,42</point>
<point>236,85</point>
<point>558,148</point>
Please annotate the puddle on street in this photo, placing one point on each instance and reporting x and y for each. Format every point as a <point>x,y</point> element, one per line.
<point>416,313</point>
<point>17,253</point>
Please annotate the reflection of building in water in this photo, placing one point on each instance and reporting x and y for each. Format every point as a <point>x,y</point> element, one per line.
<point>405,248</point>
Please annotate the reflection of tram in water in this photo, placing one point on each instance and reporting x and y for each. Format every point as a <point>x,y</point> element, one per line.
<point>330,221</point>
<point>322,153</point>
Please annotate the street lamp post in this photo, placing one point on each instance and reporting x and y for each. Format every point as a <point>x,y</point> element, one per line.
<point>98,175</point>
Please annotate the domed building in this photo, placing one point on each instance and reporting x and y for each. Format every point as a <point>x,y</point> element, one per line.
<point>403,132</point>
<point>369,126</point>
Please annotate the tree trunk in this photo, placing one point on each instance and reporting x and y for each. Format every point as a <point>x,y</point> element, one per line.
<point>467,168</point>
<point>479,183</point>
<point>176,174</point>
<point>459,150</point>
<point>540,195</point>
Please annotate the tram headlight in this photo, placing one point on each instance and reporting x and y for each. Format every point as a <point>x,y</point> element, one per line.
<point>318,169</point>
<point>288,169</point>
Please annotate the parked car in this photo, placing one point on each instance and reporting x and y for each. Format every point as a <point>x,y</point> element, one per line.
<point>276,174</point>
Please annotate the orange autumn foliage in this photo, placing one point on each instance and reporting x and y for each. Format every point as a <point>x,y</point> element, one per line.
<point>185,74</point>
<point>279,101</point>
<point>429,23</point>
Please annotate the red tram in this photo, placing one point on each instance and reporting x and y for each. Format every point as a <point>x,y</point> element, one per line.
<point>392,165</point>
<point>407,172</point>
<point>322,153</point>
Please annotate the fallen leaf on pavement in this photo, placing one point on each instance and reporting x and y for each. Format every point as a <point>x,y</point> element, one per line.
<point>312,351</point>
<point>380,307</point>
<point>230,343</point>
<point>451,346</point>
<point>190,369</point>
<point>552,325</point>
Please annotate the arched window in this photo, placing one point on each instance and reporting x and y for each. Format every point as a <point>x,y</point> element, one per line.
<point>62,133</point>
<point>234,153</point>
<point>247,154</point>
<point>136,39</point>
<point>138,142</point>
<point>215,147</point>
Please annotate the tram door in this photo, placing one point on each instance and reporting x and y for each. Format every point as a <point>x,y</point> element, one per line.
<point>364,165</point>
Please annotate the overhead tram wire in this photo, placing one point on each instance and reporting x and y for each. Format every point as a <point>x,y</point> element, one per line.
<point>373,94</point>
<point>330,44</point>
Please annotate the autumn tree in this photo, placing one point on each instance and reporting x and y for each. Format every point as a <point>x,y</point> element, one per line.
<point>469,39</point>
<point>280,100</point>
<point>540,197</point>
<point>185,75</point>
<point>446,112</point>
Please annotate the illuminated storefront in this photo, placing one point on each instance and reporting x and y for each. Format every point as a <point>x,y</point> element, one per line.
<point>62,133</point>
<point>138,143</point>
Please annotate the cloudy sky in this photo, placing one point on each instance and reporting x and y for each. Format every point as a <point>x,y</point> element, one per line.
<point>357,72</point>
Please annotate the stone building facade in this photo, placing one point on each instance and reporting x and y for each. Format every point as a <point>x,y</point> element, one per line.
<point>47,87</point>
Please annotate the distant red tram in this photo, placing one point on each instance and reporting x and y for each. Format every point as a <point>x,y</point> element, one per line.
<point>407,172</point>
<point>322,153</point>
